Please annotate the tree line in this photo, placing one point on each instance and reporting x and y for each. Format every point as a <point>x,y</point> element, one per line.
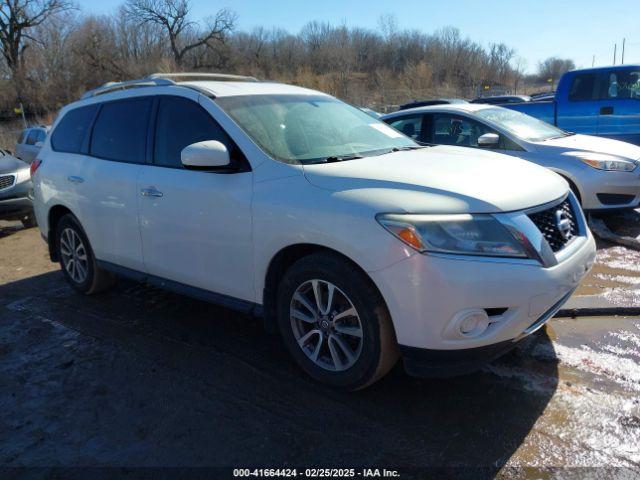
<point>54,52</point>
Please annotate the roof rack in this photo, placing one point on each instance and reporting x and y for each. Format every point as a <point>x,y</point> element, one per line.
<point>208,76</point>
<point>114,86</point>
<point>163,80</point>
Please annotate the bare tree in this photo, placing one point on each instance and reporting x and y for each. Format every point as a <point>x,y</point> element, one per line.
<point>17,19</point>
<point>184,35</point>
<point>551,69</point>
<point>519,67</point>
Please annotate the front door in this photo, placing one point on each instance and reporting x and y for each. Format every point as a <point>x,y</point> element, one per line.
<point>620,105</point>
<point>196,225</point>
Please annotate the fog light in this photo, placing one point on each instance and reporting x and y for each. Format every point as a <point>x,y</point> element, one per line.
<point>472,323</point>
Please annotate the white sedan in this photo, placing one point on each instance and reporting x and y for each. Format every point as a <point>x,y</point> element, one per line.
<point>603,173</point>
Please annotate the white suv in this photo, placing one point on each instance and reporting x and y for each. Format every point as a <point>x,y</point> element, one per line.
<point>356,243</point>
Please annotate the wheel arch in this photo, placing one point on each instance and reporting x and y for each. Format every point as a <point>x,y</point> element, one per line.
<point>53,217</point>
<point>572,183</point>
<point>281,262</point>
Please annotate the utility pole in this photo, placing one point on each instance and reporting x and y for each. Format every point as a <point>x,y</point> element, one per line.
<point>615,52</point>
<point>593,62</point>
<point>624,40</point>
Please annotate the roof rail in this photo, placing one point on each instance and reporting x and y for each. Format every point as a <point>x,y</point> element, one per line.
<point>163,80</point>
<point>208,76</point>
<point>113,86</point>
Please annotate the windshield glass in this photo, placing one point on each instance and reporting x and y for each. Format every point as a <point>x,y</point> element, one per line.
<point>309,128</point>
<point>521,125</point>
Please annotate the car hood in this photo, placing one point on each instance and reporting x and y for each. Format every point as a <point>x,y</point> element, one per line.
<point>589,143</point>
<point>10,164</point>
<point>440,180</point>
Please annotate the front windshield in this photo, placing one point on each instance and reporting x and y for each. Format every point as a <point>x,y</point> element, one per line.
<point>522,126</point>
<point>311,128</point>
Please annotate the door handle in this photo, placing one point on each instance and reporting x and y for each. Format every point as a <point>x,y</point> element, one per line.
<point>74,179</point>
<point>606,111</point>
<point>151,192</point>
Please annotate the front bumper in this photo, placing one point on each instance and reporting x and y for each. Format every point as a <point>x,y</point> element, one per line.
<point>610,190</point>
<point>425,295</point>
<point>15,208</point>
<point>425,363</point>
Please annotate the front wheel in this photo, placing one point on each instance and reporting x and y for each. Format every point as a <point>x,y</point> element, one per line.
<point>335,323</point>
<point>29,221</point>
<point>77,260</point>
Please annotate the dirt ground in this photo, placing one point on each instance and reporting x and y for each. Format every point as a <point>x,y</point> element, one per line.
<point>138,377</point>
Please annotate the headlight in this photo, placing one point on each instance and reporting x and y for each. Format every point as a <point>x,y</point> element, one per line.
<point>458,234</point>
<point>23,175</point>
<point>610,165</point>
<point>603,161</point>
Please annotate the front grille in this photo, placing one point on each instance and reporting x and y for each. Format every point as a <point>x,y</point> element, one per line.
<point>549,223</point>
<point>7,181</point>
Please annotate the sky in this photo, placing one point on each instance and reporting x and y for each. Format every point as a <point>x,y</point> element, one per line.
<point>536,29</point>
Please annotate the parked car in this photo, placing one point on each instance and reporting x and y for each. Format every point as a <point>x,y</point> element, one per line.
<point>354,241</point>
<point>502,99</point>
<point>30,142</point>
<point>601,101</point>
<point>434,101</point>
<point>535,97</point>
<point>15,190</point>
<point>603,173</point>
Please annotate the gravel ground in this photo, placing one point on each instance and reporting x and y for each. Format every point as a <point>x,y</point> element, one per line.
<point>139,377</point>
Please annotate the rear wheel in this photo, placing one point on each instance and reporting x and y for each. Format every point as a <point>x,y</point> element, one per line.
<point>77,260</point>
<point>335,323</point>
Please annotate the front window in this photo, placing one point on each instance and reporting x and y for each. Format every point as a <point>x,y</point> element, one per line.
<point>623,84</point>
<point>457,130</point>
<point>311,128</point>
<point>520,125</point>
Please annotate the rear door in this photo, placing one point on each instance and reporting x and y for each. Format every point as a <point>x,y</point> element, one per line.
<point>580,111</point>
<point>196,225</point>
<point>108,180</point>
<point>620,104</point>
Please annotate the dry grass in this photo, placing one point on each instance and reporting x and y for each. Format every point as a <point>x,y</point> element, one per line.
<point>9,132</point>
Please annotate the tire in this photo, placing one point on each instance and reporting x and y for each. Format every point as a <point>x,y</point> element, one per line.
<point>29,221</point>
<point>85,277</point>
<point>317,342</point>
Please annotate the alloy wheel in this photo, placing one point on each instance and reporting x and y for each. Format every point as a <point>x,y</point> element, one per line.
<point>326,325</point>
<point>74,255</point>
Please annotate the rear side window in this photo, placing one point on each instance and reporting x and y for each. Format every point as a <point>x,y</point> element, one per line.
<point>583,88</point>
<point>41,135</point>
<point>120,131</point>
<point>72,129</point>
<point>32,138</point>
<point>23,136</point>
<point>180,123</point>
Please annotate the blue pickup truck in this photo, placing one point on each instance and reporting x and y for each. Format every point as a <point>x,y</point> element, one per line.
<point>601,101</point>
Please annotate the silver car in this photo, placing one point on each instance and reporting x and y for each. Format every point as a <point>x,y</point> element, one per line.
<point>30,142</point>
<point>16,190</point>
<point>603,173</point>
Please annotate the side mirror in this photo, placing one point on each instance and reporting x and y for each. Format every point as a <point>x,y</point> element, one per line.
<point>39,144</point>
<point>207,154</point>
<point>488,140</point>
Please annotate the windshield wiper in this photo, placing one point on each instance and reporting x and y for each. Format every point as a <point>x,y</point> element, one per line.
<point>339,158</point>
<point>409,147</point>
<point>401,149</point>
<point>563,135</point>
